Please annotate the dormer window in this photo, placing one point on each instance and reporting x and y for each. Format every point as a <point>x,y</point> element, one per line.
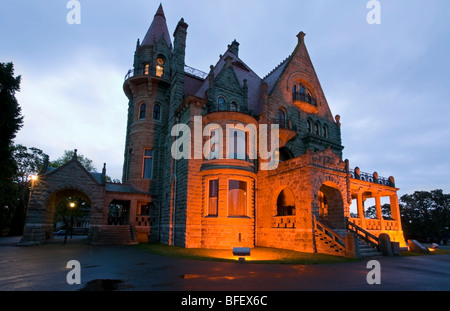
<point>160,67</point>
<point>222,104</point>
<point>233,106</point>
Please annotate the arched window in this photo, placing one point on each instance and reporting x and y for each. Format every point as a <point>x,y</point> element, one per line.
<point>146,69</point>
<point>301,92</point>
<point>160,67</point>
<point>281,118</point>
<point>221,103</point>
<point>317,128</point>
<point>325,131</point>
<point>233,106</point>
<point>309,126</point>
<point>157,112</point>
<point>142,109</point>
<point>286,203</point>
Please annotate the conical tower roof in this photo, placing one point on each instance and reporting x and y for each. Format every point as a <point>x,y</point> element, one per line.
<point>158,29</point>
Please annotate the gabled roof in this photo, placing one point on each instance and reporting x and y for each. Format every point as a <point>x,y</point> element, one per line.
<point>243,72</point>
<point>158,29</point>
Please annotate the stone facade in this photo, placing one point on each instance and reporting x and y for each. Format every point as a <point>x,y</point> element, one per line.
<point>192,156</point>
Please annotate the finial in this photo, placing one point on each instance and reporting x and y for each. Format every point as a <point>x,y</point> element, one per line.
<point>301,36</point>
<point>75,156</point>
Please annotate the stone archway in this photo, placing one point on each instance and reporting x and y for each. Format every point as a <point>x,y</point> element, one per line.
<point>56,201</point>
<point>331,205</point>
<point>50,188</point>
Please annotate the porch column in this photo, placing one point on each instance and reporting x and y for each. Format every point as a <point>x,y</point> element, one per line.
<point>379,213</point>
<point>360,206</point>
<point>395,210</point>
<point>132,213</point>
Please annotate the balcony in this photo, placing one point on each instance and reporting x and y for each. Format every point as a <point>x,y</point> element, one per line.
<point>305,102</point>
<point>373,178</point>
<point>286,130</point>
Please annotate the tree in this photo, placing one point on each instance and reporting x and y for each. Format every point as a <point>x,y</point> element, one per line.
<point>29,161</point>
<point>425,215</point>
<point>371,212</point>
<point>11,122</point>
<point>68,155</point>
<point>68,211</point>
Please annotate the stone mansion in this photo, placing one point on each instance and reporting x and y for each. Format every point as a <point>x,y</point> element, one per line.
<point>222,197</point>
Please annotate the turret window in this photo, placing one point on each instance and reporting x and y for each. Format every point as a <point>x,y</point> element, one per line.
<point>148,164</point>
<point>157,112</point>
<point>142,110</point>
<point>146,69</point>
<point>160,67</point>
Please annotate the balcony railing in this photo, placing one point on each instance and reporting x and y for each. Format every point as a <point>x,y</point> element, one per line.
<point>145,72</point>
<point>374,178</point>
<point>304,97</point>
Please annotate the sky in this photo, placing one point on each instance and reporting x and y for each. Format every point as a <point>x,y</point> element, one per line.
<point>389,82</point>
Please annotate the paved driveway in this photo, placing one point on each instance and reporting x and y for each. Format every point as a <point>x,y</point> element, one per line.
<point>43,268</point>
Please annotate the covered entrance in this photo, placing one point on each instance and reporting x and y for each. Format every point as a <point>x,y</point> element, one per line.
<point>331,206</point>
<point>119,213</point>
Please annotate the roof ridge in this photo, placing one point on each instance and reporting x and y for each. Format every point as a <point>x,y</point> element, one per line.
<point>278,66</point>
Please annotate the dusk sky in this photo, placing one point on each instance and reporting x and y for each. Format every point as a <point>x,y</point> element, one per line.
<point>389,82</point>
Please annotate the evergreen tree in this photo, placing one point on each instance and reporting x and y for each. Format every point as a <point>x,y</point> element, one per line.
<point>11,122</point>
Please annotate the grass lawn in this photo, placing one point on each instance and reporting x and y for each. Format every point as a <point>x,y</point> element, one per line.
<point>258,255</point>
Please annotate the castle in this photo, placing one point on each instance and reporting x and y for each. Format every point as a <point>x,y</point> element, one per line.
<point>193,175</point>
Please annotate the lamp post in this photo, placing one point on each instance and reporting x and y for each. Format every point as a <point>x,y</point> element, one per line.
<point>33,180</point>
<point>72,206</point>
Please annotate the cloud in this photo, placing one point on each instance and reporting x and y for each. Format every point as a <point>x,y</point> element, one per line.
<point>78,103</point>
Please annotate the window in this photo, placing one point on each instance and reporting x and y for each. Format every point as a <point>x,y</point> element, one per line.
<point>237,144</point>
<point>233,106</point>
<point>222,103</point>
<point>213,150</point>
<point>317,128</point>
<point>160,67</point>
<point>157,112</point>
<point>286,203</point>
<point>237,198</point>
<point>144,210</point>
<point>325,131</point>
<point>309,126</point>
<point>146,69</point>
<point>301,92</point>
<point>281,118</point>
<point>213,197</point>
<point>142,109</point>
<point>147,169</point>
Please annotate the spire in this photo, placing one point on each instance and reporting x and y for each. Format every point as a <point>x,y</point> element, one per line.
<point>158,29</point>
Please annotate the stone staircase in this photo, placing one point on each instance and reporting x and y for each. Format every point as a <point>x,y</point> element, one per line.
<point>366,250</point>
<point>114,235</point>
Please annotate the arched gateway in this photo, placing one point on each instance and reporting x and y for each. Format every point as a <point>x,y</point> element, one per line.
<point>73,180</point>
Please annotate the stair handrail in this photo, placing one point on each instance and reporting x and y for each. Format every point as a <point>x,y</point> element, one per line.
<point>362,233</point>
<point>328,232</point>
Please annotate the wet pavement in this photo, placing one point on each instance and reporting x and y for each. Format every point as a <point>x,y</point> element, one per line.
<point>127,268</point>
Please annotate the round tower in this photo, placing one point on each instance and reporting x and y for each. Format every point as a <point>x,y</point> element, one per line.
<point>147,87</point>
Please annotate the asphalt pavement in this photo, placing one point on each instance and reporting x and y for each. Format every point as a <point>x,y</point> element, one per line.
<point>126,268</point>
